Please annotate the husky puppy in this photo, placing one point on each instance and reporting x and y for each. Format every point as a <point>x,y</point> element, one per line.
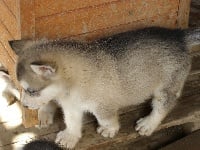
<point>105,75</point>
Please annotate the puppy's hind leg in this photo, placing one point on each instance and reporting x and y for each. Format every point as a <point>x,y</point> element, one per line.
<point>164,100</point>
<point>162,104</point>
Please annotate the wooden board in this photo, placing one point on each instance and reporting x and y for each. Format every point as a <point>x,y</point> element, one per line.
<point>9,20</point>
<point>50,7</point>
<point>13,6</point>
<point>27,19</point>
<point>183,13</point>
<point>189,142</point>
<point>98,18</point>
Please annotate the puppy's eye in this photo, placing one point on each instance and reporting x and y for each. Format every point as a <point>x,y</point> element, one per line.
<point>32,92</point>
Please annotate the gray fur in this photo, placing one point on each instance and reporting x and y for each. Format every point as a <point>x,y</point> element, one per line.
<point>103,76</point>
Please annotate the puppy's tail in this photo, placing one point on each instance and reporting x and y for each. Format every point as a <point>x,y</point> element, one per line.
<point>192,37</point>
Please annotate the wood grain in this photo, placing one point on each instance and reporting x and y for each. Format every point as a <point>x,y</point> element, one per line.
<point>9,20</point>
<point>27,19</point>
<point>183,13</point>
<point>117,13</point>
<point>12,6</point>
<point>162,21</point>
<point>50,7</point>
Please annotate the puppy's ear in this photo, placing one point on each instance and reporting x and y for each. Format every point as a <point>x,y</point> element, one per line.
<point>43,70</point>
<point>18,45</point>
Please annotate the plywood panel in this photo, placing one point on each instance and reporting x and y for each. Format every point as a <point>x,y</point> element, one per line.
<point>12,6</point>
<point>183,13</point>
<point>8,20</point>
<point>4,38</point>
<point>4,57</point>
<point>105,16</point>
<point>49,7</point>
<point>27,18</point>
<point>163,21</point>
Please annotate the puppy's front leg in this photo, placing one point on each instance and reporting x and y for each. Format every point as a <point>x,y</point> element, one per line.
<point>73,120</point>
<point>46,115</point>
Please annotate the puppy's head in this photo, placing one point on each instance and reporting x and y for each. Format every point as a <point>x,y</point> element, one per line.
<point>37,77</point>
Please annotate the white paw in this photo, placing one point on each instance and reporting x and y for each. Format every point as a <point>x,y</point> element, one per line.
<point>107,132</point>
<point>67,140</point>
<point>45,119</point>
<point>146,126</point>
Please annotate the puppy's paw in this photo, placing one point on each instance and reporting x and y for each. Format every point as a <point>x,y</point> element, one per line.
<point>146,126</point>
<point>67,140</point>
<point>107,132</point>
<point>45,119</point>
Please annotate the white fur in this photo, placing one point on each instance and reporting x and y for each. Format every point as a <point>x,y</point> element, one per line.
<point>73,119</point>
<point>7,89</point>
<point>24,84</point>
<point>67,139</point>
<point>148,124</point>
<point>46,115</point>
<point>49,93</point>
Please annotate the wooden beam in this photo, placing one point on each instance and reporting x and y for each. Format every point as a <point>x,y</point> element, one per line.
<point>189,142</point>
<point>183,13</point>
<point>27,19</point>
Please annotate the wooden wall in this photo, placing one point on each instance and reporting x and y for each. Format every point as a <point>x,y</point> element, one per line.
<point>9,30</point>
<point>90,19</point>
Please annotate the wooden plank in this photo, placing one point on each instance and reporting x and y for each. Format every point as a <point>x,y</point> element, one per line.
<point>189,142</point>
<point>105,16</point>
<point>143,143</point>
<point>162,21</point>
<point>4,38</point>
<point>8,62</point>
<point>50,7</point>
<point>8,20</point>
<point>30,117</point>
<point>194,17</point>
<point>153,142</point>
<point>5,58</point>
<point>12,6</point>
<point>9,56</point>
<point>183,13</point>
<point>27,19</point>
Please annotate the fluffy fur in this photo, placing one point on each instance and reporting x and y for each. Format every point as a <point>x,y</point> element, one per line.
<point>8,92</point>
<point>103,76</point>
<point>41,145</point>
